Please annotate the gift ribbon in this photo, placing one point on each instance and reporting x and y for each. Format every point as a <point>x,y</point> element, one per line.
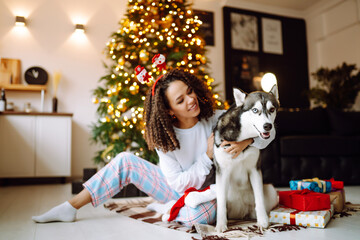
<point>302,192</point>
<point>321,183</point>
<point>293,217</point>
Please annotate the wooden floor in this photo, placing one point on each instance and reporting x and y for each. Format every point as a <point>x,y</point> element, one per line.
<point>19,203</point>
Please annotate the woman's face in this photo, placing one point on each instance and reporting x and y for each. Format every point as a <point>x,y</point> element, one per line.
<point>182,100</point>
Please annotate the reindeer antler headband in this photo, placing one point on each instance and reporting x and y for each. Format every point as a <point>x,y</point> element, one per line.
<point>143,76</point>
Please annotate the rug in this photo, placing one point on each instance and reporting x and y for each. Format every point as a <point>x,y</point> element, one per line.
<point>136,208</point>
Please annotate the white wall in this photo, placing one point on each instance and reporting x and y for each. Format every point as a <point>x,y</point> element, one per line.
<point>48,41</point>
<point>333,32</point>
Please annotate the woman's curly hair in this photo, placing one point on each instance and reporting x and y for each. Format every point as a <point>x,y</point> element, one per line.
<point>159,131</point>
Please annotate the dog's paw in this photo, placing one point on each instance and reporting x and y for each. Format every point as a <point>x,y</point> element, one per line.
<point>263,221</point>
<point>193,199</point>
<point>221,227</point>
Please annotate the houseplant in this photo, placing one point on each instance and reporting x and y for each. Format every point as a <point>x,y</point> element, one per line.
<point>336,88</point>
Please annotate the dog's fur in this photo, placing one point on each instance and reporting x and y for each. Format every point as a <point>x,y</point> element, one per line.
<point>239,187</point>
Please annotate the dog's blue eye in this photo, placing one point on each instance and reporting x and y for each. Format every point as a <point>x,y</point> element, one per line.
<point>255,110</point>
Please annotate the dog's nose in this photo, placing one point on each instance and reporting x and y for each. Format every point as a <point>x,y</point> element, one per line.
<point>267,126</point>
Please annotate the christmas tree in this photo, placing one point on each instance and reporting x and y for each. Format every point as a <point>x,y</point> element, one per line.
<point>150,27</point>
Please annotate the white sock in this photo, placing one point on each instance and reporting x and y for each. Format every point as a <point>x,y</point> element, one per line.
<point>61,213</point>
<point>161,207</point>
<point>165,217</point>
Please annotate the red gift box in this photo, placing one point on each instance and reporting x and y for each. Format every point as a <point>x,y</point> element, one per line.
<point>304,200</point>
<point>336,184</point>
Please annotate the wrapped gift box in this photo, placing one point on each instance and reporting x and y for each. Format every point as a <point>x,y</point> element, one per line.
<point>304,200</point>
<point>317,219</point>
<point>336,184</point>
<point>314,184</point>
<point>337,198</point>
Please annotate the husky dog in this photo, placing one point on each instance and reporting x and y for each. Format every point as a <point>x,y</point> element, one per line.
<point>240,191</point>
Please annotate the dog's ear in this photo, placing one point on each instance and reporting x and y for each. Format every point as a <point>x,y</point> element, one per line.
<point>239,97</point>
<point>274,90</point>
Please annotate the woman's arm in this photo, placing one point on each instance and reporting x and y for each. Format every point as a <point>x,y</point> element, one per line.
<point>180,179</point>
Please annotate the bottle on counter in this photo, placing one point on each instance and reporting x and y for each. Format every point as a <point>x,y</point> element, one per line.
<point>27,107</point>
<point>2,101</point>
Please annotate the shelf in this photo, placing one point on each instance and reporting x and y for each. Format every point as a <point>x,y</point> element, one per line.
<point>36,113</point>
<point>27,88</point>
<point>22,87</point>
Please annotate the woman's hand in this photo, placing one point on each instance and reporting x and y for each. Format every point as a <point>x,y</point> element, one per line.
<point>210,146</point>
<point>235,148</point>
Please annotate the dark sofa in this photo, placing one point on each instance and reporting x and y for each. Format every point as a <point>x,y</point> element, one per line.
<point>321,143</point>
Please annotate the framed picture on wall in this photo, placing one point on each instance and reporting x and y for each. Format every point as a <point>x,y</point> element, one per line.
<point>257,42</point>
<point>272,36</point>
<point>244,32</point>
<point>206,29</point>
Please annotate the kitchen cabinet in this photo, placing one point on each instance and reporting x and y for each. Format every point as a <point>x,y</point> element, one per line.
<point>35,145</point>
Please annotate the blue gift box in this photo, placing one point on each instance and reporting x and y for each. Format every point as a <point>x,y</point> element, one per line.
<point>314,184</point>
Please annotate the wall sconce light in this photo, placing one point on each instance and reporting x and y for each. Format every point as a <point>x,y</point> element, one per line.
<point>79,28</point>
<point>268,81</point>
<point>20,21</point>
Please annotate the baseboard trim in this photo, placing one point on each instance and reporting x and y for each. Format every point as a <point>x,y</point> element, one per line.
<point>32,181</point>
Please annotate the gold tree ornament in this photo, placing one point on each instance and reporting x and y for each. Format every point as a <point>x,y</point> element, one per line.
<point>144,55</point>
<point>133,56</point>
<point>154,11</point>
<point>95,100</point>
<point>121,61</point>
<point>170,43</point>
<point>134,89</point>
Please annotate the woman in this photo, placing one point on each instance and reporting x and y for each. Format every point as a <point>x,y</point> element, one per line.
<point>179,118</point>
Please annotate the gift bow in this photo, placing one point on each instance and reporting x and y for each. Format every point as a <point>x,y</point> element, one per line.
<point>336,184</point>
<point>302,192</point>
<point>321,183</point>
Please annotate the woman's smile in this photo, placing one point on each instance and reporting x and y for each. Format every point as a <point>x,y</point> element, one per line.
<point>194,107</point>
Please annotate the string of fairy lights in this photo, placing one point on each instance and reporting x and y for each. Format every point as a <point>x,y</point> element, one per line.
<point>136,40</point>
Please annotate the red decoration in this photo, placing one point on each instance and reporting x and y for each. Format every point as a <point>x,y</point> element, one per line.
<point>304,200</point>
<point>336,184</point>
<point>159,61</point>
<point>181,202</point>
<point>141,74</point>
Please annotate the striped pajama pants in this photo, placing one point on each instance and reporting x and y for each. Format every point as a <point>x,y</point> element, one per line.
<point>127,168</point>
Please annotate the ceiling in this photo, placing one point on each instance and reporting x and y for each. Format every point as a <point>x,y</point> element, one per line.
<point>299,5</point>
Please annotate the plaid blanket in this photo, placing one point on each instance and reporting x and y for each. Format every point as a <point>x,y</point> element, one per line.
<point>136,208</point>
